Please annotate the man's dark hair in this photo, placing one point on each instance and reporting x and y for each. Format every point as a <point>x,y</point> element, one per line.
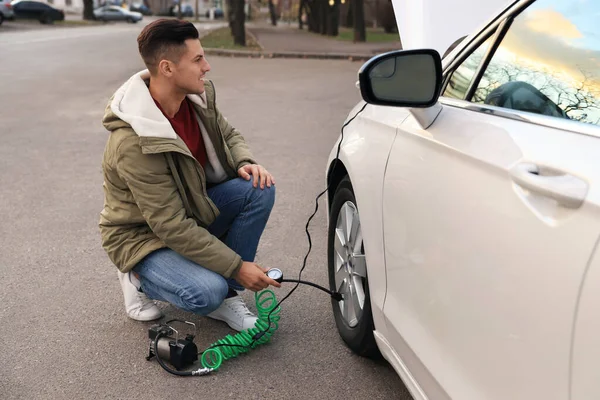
<point>164,39</point>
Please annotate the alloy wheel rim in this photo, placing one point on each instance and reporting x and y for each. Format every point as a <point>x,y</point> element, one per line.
<point>350,264</point>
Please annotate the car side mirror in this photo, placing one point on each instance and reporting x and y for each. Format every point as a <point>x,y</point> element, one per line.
<point>404,78</point>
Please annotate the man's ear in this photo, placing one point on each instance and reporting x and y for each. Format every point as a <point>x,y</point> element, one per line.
<point>165,67</point>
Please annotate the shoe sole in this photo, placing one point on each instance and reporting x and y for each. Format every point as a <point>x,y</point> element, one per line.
<point>146,319</point>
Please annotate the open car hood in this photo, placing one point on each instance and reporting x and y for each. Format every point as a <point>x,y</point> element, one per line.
<point>436,24</point>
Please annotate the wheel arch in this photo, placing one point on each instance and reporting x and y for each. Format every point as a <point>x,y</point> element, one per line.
<point>337,171</point>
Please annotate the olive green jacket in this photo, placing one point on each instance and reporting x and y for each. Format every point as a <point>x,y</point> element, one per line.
<point>155,190</point>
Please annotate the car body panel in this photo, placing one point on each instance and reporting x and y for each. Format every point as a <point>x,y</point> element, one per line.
<point>6,9</point>
<point>464,242</point>
<point>114,13</point>
<point>483,278</point>
<point>369,148</point>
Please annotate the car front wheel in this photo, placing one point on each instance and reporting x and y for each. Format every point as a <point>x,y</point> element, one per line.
<point>348,273</point>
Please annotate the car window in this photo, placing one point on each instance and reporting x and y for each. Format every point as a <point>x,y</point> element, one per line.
<point>461,78</point>
<point>548,63</point>
<point>34,5</point>
<point>25,5</point>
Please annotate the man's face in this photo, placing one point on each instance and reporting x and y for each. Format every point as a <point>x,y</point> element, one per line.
<point>188,73</point>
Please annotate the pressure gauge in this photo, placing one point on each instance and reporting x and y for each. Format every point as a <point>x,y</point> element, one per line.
<point>275,274</point>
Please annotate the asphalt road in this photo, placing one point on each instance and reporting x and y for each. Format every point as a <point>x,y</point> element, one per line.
<point>63,330</point>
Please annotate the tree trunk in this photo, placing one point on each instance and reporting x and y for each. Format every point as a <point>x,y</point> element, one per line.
<point>314,18</point>
<point>349,23</point>
<point>360,33</point>
<point>273,13</point>
<point>333,20</point>
<point>88,9</point>
<point>387,17</point>
<point>228,13</point>
<point>323,14</point>
<point>237,22</point>
<point>300,9</point>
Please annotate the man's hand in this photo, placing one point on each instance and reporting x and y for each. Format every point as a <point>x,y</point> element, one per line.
<point>257,171</point>
<point>253,277</point>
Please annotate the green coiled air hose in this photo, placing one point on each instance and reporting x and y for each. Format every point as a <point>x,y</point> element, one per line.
<point>232,346</point>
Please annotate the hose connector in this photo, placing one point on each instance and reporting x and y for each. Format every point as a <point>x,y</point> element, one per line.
<point>202,371</point>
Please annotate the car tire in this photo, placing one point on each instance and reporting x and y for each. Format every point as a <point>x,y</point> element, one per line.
<point>46,19</point>
<point>358,332</point>
<point>1,18</point>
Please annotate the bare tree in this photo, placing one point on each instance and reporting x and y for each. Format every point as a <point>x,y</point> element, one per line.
<point>360,32</point>
<point>237,19</point>
<point>323,17</point>
<point>88,10</point>
<point>272,13</point>
<point>574,98</point>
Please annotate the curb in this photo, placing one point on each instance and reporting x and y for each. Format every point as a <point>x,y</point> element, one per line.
<point>287,54</point>
<point>253,36</point>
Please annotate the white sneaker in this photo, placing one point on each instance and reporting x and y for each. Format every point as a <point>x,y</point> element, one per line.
<point>235,312</point>
<point>137,305</point>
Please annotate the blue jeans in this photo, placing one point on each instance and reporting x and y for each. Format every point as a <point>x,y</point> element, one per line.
<point>167,276</point>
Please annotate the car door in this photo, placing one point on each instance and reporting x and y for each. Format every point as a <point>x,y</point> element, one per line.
<point>111,14</point>
<point>38,10</point>
<point>491,213</point>
<point>23,10</point>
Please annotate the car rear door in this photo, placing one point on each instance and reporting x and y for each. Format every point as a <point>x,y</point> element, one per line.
<point>492,212</point>
<point>39,9</point>
<point>23,10</point>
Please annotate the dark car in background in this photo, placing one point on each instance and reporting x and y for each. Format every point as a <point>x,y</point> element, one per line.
<point>35,10</point>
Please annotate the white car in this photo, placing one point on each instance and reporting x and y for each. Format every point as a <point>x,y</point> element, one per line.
<point>114,13</point>
<point>6,11</point>
<point>464,214</point>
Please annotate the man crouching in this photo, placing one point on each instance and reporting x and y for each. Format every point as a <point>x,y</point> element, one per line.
<point>185,202</point>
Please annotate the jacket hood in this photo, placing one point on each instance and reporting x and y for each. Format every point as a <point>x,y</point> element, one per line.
<point>132,105</point>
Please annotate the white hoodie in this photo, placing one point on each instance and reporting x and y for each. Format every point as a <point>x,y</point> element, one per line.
<point>133,104</point>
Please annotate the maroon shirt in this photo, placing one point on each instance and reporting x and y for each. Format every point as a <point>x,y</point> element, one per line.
<point>186,126</point>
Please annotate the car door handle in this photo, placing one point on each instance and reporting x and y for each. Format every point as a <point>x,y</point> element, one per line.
<point>568,190</point>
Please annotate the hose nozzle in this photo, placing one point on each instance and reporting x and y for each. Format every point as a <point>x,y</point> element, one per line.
<point>337,296</point>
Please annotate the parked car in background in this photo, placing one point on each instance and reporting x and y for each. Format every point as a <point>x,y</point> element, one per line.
<point>114,13</point>
<point>187,10</point>
<point>171,11</point>
<point>141,8</point>
<point>35,10</point>
<point>218,13</point>
<point>464,210</point>
<point>6,11</point>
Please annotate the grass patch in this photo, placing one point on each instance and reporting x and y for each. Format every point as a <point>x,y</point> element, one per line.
<point>373,36</point>
<point>221,39</point>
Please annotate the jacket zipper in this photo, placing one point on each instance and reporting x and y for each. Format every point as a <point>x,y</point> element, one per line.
<point>222,154</point>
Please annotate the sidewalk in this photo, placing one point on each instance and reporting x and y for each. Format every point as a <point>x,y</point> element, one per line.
<point>290,39</point>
